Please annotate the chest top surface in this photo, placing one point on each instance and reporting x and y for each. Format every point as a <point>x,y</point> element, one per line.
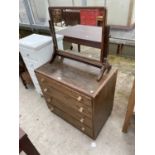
<point>77,75</point>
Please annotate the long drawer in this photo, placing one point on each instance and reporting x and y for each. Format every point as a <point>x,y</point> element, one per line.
<point>76,96</point>
<point>68,101</point>
<point>83,119</point>
<point>71,120</point>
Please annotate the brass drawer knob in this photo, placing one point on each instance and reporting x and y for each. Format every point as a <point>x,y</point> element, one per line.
<point>91,91</point>
<point>45,89</point>
<point>48,100</point>
<point>82,120</point>
<point>81,109</point>
<point>59,78</point>
<point>42,79</point>
<point>83,129</point>
<point>51,108</point>
<point>79,98</point>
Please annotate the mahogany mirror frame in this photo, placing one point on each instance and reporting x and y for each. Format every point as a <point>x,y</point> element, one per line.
<point>102,63</point>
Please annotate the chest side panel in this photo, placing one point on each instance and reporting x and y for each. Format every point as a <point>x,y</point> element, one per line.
<point>103,103</point>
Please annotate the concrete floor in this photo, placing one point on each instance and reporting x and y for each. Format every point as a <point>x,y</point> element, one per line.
<point>53,136</point>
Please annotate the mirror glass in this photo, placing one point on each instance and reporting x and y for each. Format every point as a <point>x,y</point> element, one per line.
<point>79,31</point>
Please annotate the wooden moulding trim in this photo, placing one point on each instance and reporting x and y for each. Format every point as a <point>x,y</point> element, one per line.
<point>76,7</point>
<point>80,58</point>
<point>103,84</point>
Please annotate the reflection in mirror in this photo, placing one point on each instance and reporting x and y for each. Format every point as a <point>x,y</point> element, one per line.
<point>78,32</point>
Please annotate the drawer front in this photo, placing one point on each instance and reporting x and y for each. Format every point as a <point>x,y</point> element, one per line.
<point>80,117</point>
<point>68,101</point>
<point>76,96</point>
<point>71,120</point>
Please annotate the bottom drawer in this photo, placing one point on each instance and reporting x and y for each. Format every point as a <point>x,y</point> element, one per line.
<point>71,120</point>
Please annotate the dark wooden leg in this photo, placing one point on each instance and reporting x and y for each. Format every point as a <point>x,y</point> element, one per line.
<point>79,48</point>
<point>130,108</point>
<point>23,81</point>
<point>26,145</point>
<point>119,49</point>
<point>71,47</point>
<point>22,69</point>
<point>98,23</point>
<point>20,150</point>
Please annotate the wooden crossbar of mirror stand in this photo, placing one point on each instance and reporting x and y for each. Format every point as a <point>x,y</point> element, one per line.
<point>103,64</point>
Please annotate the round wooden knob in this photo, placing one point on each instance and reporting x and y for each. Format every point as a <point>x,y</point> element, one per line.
<point>83,129</point>
<point>42,80</point>
<point>45,89</point>
<point>82,120</point>
<point>79,98</point>
<point>81,109</point>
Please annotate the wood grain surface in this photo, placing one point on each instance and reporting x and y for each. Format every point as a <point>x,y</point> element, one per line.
<point>72,92</point>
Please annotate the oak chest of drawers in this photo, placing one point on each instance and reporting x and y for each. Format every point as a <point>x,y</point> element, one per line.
<point>72,92</point>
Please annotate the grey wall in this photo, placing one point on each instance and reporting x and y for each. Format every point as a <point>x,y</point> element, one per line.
<point>133,15</point>
<point>118,11</point>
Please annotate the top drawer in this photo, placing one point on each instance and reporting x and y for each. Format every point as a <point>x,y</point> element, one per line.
<point>64,89</point>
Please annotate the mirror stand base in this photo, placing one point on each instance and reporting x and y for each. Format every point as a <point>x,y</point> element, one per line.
<point>104,69</point>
